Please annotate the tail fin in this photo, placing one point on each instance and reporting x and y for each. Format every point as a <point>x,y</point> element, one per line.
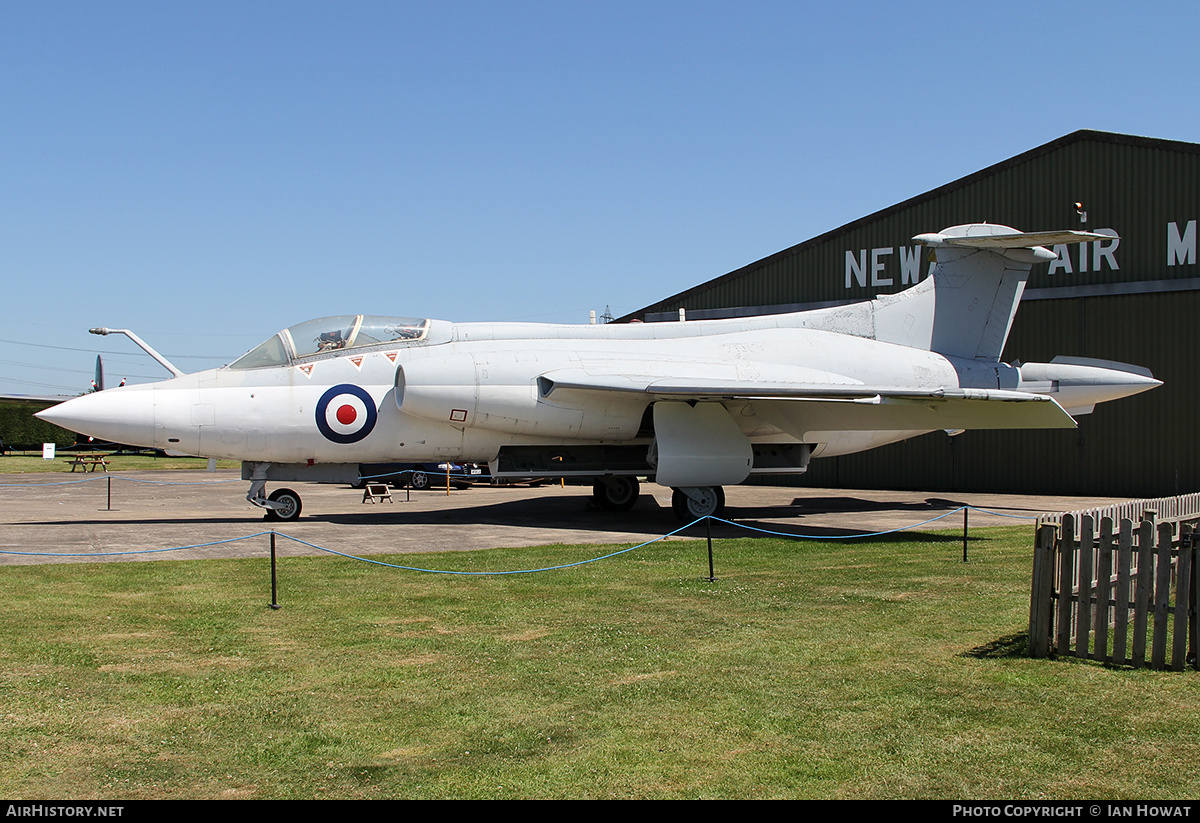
<point>966,308</point>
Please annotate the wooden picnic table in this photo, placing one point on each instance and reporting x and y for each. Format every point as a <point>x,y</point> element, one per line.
<point>86,460</point>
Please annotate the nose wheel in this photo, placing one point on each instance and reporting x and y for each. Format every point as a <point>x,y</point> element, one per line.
<point>692,503</point>
<point>283,504</point>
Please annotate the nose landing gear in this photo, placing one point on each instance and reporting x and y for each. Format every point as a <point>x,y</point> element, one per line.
<point>282,504</point>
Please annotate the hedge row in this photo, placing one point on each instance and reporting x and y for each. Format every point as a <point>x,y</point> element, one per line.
<point>21,430</point>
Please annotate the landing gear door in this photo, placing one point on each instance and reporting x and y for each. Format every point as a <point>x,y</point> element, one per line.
<point>699,445</point>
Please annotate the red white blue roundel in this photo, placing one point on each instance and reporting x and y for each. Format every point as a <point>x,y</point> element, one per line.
<point>346,414</point>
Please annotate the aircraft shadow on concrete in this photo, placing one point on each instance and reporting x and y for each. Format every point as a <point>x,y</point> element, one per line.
<point>647,519</point>
<point>827,505</point>
<point>571,513</point>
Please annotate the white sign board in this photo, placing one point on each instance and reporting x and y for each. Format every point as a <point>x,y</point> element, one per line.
<point>47,451</point>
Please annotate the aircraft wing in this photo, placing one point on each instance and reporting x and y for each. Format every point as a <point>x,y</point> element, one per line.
<point>811,419</point>
<point>800,408</point>
<point>41,401</point>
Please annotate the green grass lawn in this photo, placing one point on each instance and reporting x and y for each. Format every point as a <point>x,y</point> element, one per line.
<point>865,669</point>
<point>27,462</point>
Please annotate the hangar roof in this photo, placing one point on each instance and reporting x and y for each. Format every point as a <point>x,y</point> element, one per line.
<point>965,196</point>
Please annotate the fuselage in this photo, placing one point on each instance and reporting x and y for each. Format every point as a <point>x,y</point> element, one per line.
<point>361,389</point>
<point>462,391</point>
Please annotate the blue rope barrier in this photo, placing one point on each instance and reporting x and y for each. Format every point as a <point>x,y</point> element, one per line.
<point>56,483</point>
<point>1002,514</point>
<point>516,571</point>
<point>431,474</point>
<point>483,574</point>
<point>174,483</point>
<point>834,536</point>
<point>138,551</point>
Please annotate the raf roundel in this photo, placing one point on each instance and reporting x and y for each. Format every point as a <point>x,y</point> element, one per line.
<point>346,414</point>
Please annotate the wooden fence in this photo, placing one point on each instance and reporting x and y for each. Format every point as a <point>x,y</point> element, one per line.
<point>1112,595</point>
<point>1163,509</point>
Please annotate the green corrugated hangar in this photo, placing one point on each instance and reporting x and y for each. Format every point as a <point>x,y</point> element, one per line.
<point>1133,299</point>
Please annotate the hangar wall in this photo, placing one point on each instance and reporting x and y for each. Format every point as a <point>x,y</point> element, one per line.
<point>1133,299</point>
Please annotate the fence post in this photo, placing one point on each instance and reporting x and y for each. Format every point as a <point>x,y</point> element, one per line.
<point>1145,586</point>
<point>1123,596</point>
<point>1067,545</point>
<point>1183,599</point>
<point>274,599</point>
<point>1104,565</point>
<point>1162,594</point>
<point>1193,612</point>
<point>708,533</point>
<point>1043,587</point>
<point>965,509</point>
<point>1083,601</point>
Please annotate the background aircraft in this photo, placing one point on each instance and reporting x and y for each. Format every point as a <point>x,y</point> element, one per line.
<point>693,405</point>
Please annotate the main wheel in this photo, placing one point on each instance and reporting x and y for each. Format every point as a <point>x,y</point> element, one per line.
<point>616,494</point>
<point>418,480</point>
<point>709,502</point>
<point>289,505</point>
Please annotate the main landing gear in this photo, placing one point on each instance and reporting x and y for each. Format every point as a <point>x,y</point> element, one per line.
<point>619,493</point>
<point>694,502</point>
<point>616,493</point>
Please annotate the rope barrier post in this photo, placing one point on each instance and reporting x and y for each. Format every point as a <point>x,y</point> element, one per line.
<point>274,589</point>
<point>108,496</point>
<point>965,508</point>
<point>708,533</point>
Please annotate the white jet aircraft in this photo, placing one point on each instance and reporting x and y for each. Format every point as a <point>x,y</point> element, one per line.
<point>692,405</point>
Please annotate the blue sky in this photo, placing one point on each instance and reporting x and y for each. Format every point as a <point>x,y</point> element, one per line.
<point>207,173</point>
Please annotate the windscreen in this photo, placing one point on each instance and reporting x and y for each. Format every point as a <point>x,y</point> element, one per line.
<point>330,334</point>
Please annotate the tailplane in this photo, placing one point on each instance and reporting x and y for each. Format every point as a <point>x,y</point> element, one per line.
<point>966,308</point>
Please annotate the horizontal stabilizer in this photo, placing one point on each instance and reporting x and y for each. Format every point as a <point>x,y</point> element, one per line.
<point>1007,239</point>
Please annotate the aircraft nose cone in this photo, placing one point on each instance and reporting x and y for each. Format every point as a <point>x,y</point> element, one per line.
<point>123,415</point>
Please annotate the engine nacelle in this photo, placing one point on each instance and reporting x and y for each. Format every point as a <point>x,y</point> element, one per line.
<point>501,394</point>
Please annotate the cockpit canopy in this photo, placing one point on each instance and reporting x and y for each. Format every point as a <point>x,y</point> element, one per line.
<point>328,334</point>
